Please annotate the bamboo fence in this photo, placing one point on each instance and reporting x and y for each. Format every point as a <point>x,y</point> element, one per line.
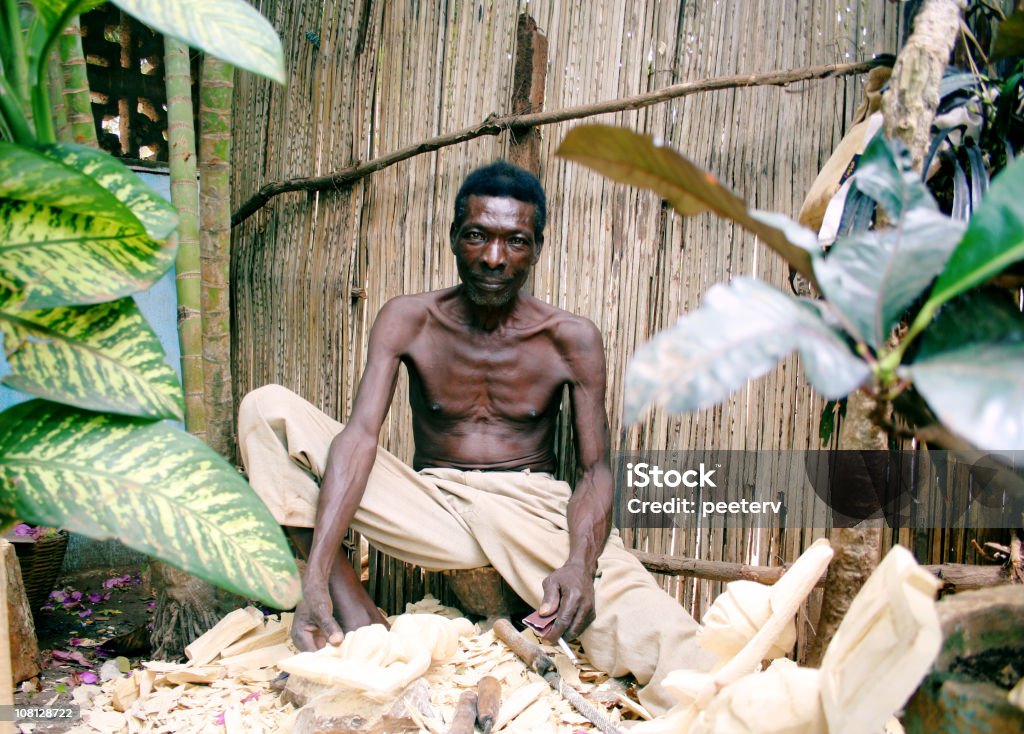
<point>311,270</point>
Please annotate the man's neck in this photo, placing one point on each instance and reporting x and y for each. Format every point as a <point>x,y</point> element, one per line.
<point>489,318</point>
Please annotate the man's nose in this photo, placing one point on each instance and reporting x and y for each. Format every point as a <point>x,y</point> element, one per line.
<point>494,256</point>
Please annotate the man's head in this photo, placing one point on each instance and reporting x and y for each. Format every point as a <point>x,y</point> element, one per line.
<point>501,178</point>
<point>497,232</point>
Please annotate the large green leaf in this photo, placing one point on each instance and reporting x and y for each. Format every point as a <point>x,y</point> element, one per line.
<point>630,158</point>
<point>155,488</point>
<point>978,392</point>
<point>154,211</point>
<point>30,176</point>
<point>981,316</point>
<point>231,30</point>
<point>65,239</point>
<point>59,258</point>
<point>885,174</point>
<point>103,358</point>
<point>740,332</point>
<point>872,277</point>
<point>993,241</point>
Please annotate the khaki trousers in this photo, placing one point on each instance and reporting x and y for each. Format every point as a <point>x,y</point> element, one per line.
<point>443,519</point>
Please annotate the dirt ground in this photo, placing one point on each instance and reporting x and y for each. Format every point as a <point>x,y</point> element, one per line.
<point>85,610</point>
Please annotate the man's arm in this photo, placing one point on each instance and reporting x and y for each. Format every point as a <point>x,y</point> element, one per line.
<point>350,459</point>
<point>570,589</point>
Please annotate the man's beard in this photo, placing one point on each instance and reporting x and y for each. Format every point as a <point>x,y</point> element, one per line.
<point>490,298</point>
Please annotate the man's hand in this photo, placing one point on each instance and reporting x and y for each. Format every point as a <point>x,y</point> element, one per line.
<point>314,625</point>
<point>569,591</point>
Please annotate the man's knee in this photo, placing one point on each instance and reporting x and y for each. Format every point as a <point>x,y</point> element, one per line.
<point>257,402</point>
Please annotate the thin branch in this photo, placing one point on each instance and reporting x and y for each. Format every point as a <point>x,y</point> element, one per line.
<point>493,125</point>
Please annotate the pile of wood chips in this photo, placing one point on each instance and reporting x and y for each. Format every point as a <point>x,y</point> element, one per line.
<point>225,686</point>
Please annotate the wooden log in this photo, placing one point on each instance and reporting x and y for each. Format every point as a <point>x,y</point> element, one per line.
<point>24,649</point>
<point>955,576</point>
<point>6,679</point>
<point>224,633</point>
<point>528,91</point>
<point>262,657</point>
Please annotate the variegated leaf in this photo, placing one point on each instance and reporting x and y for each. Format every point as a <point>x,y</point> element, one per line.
<point>154,211</point>
<point>59,258</point>
<point>231,30</point>
<point>28,175</point>
<point>155,488</point>
<point>103,357</point>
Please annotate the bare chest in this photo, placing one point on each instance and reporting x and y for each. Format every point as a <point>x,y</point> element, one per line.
<point>456,377</point>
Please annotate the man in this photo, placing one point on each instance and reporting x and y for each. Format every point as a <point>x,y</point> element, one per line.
<point>487,365</point>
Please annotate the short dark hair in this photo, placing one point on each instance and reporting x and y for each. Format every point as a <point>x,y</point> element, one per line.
<point>501,178</point>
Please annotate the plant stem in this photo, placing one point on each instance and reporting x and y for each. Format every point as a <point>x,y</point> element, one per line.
<point>13,115</point>
<point>888,364</point>
<point>16,44</point>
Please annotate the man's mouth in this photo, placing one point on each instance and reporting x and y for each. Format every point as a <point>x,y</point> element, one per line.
<point>491,285</point>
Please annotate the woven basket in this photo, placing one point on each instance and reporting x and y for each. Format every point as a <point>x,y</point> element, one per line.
<point>40,565</point>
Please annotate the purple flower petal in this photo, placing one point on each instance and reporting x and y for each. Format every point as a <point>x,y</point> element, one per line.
<point>85,613</point>
<point>23,529</point>
<point>89,677</point>
<point>94,598</point>
<point>219,719</point>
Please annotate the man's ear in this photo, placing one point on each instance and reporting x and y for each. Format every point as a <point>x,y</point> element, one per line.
<point>452,231</point>
<point>540,246</point>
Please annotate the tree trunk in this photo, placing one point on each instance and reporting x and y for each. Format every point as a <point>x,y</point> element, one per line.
<point>909,105</point>
<point>909,108</point>
<point>76,86</point>
<point>185,609</point>
<point>215,94</point>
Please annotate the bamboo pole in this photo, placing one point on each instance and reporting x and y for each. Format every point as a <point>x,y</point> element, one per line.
<point>216,86</point>
<point>181,142</point>
<point>494,125</point>
<point>60,110</point>
<point>76,86</point>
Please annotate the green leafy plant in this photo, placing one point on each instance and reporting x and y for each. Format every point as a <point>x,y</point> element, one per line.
<point>959,365</point>
<point>79,233</point>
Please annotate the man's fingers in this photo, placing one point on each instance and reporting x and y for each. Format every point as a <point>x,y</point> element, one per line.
<point>552,597</point>
<point>330,629</point>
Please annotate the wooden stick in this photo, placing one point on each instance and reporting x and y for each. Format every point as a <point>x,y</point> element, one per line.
<point>494,125</point>
<point>955,576</point>
<point>6,673</point>
<point>465,714</point>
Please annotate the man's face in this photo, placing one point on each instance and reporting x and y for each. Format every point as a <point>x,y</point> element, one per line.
<point>495,248</point>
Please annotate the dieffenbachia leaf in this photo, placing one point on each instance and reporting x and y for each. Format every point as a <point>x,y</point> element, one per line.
<point>740,332</point>
<point>993,241</point>
<point>872,277</point>
<point>103,358</point>
<point>977,391</point>
<point>154,211</point>
<point>66,240</point>
<point>627,157</point>
<point>231,30</point>
<point>155,488</point>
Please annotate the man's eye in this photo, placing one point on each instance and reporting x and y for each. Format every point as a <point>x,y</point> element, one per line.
<point>518,242</point>
<point>474,236</point>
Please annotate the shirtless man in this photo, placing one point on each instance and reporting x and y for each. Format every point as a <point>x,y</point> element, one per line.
<point>487,364</point>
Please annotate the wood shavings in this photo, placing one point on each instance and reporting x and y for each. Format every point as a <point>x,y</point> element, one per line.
<point>167,698</point>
